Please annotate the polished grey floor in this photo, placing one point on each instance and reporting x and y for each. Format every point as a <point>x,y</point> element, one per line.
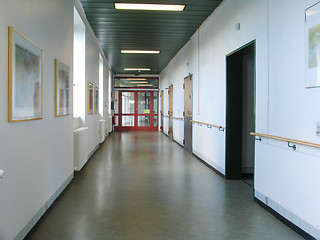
<point>144,186</point>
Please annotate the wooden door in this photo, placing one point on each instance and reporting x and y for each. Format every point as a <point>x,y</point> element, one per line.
<point>161,109</point>
<point>188,99</point>
<point>188,96</point>
<point>170,112</point>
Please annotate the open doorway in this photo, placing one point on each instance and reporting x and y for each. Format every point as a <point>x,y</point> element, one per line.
<point>240,117</point>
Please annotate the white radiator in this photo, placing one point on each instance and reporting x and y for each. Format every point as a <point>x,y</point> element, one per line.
<point>102,130</point>
<point>110,124</point>
<point>80,147</point>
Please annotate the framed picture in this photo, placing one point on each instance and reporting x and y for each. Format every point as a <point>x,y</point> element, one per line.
<point>312,42</point>
<point>24,78</point>
<point>62,89</point>
<point>90,97</point>
<point>96,100</point>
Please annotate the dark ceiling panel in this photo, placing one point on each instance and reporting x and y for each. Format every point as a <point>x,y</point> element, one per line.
<point>145,30</point>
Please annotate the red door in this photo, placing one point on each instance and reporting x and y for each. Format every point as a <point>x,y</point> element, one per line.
<point>137,111</point>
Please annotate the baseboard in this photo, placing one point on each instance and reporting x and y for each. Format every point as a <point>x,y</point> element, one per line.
<point>216,170</point>
<point>93,151</point>
<point>209,166</point>
<point>166,134</point>
<point>24,232</point>
<point>213,166</point>
<point>180,143</point>
<point>297,224</point>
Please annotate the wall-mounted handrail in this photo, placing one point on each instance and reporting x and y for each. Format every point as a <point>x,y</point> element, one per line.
<point>178,118</point>
<point>209,125</point>
<point>288,140</point>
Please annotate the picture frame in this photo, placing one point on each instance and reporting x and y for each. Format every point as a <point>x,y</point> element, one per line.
<point>312,46</point>
<point>90,98</point>
<point>62,89</point>
<point>25,78</point>
<point>96,100</point>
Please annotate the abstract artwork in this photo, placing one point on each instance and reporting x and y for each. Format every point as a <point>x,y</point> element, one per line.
<point>24,78</point>
<point>96,100</point>
<point>90,97</point>
<point>312,41</point>
<point>62,89</point>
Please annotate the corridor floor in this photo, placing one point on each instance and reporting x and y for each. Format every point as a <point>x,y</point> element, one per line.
<point>142,185</point>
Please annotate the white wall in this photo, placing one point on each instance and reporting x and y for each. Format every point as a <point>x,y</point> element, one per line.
<point>36,155</point>
<point>291,114</point>
<point>106,102</point>
<point>93,50</point>
<point>284,107</point>
<point>92,75</point>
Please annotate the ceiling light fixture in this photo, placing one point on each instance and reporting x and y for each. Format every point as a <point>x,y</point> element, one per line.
<point>154,7</point>
<point>141,51</point>
<point>139,82</point>
<point>136,79</point>
<point>145,85</point>
<point>137,69</point>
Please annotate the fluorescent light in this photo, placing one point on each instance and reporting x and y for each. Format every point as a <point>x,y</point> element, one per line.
<point>136,79</point>
<point>141,51</point>
<point>145,85</point>
<point>137,69</point>
<point>156,7</point>
<point>139,82</point>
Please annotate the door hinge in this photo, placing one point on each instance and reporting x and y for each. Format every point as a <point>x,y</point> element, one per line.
<point>184,86</point>
<point>184,141</point>
<point>183,114</point>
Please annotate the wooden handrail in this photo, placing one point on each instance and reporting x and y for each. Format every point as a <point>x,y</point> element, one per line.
<point>177,118</point>
<point>209,125</point>
<point>289,140</point>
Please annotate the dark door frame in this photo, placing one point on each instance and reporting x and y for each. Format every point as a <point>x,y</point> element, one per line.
<point>233,163</point>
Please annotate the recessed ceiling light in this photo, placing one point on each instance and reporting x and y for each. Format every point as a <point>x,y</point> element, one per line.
<point>141,51</point>
<point>155,7</point>
<point>136,79</point>
<point>145,85</point>
<point>139,82</point>
<point>137,69</point>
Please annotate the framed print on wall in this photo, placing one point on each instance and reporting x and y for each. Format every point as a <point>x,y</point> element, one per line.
<point>96,100</point>
<point>62,89</point>
<point>312,42</point>
<point>90,97</point>
<point>24,78</point>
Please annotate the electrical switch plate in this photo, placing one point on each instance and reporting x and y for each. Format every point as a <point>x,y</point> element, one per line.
<point>318,129</point>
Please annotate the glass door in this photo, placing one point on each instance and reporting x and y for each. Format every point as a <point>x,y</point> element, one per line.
<point>136,110</point>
